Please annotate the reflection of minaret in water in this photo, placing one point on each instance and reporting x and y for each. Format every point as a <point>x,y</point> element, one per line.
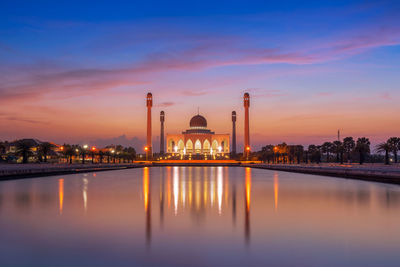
<point>162,200</point>
<point>61,194</point>
<point>147,203</point>
<point>247,204</point>
<point>234,202</point>
<point>84,193</point>
<point>276,190</point>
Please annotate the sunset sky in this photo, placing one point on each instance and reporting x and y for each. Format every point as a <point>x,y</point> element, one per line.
<point>76,71</point>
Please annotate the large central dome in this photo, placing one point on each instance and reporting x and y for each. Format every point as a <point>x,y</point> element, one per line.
<point>198,121</point>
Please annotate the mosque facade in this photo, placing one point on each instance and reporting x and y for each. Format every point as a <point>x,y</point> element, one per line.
<point>198,140</point>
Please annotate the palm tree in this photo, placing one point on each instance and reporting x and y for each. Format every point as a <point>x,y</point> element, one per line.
<point>348,146</point>
<point>69,152</point>
<point>44,149</point>
<point>101,156</point>
<point>338,149</point>
<point>384,147</point>
<point>327,148</point>
<point>312,149</point>
<point>267,153</point>
<point>394,143</point>
<point>299,151</point>
<point>108,155</point>
<point>2,150</point>
<point>362,147</point>
<point>24,149</point>
<point>132,153</point>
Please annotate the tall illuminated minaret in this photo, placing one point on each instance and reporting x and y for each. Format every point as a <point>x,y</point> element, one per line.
<point>246,98</point>
<point>162,118</point>
<point>233,133</point>
<point>149,149</point>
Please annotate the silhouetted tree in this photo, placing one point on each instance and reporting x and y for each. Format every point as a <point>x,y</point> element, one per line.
<point>394,143</point>
<point>348,146</point>
<point>315,153</point>
<point>384,147</point>
<point>362,147</point>
<point>44,149</point>
<point>299,151</point>
<point>101,156</point>
<point>69,152</point>
<point>338,149</point>
<point>327,148</point>
<point>24,149</point>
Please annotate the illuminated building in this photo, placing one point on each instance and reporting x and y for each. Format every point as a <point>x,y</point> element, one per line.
<point>198,141</point>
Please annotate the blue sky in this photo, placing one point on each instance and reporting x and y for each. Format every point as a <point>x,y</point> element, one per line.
<point>79,70</point>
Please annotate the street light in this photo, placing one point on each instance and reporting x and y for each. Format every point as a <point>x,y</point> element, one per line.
<point>147,154</point>
<point>113,152</point>
<point>83,153</point>
<point>93,150</point>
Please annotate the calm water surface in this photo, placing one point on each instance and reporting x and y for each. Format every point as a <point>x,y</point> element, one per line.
<point>196,216</point>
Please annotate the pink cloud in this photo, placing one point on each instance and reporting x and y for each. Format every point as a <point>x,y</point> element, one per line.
<point>202,54</point>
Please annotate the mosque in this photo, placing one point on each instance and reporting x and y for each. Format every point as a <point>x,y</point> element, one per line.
<point>197,142</point>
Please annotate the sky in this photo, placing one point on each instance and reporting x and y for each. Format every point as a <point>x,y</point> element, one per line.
<point>79,71</point>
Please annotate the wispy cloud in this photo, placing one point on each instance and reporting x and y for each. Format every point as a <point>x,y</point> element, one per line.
<point>165,104</point>
<point>8,117</point>
<point>194,93</point>
<point>196,54</point>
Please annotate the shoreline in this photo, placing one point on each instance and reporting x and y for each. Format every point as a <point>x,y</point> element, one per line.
<point>375,173</point>
<point>364,173</point>
<point>15,172</point>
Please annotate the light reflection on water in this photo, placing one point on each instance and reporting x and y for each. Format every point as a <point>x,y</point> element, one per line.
<point>198,216</point>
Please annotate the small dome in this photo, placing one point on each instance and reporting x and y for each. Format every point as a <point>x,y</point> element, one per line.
<point>198,121</point>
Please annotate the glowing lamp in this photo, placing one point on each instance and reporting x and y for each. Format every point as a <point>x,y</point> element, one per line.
<point>248,148</point>
<point>113,151</point>
<point>61,148</point>
<point>85,146</point>
<point>146,148</point>
<point>93,148</point>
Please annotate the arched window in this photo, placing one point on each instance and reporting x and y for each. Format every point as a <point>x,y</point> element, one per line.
<point>197,146</point>
<point>206,146</point>
<point>189,146</point>
<point>214,146</point>
<point>181,146</point>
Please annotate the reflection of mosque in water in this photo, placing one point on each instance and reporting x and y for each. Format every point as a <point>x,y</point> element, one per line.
<point>198,191</point>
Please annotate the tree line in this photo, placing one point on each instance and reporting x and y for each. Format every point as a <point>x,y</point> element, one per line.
<point>26,150</point>
<point>348,150</point>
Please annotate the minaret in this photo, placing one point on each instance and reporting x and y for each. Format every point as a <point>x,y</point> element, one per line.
<point>149,149</point>
<point>233,133</point>
<point>246,124</point>
<point>162,118</point>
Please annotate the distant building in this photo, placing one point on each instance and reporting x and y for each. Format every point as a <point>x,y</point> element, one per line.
<point>198,141</point>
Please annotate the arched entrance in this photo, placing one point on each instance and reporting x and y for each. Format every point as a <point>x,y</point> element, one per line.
<point>206,147</point>
<point>197,147</point>
<point>181,146</point>
<point>189,146</point>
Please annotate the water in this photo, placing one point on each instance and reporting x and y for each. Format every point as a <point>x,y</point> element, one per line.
<point>218,216</point>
